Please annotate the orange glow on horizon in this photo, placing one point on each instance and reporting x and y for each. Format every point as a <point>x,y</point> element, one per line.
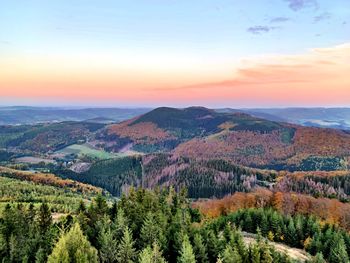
<point>320,76</point>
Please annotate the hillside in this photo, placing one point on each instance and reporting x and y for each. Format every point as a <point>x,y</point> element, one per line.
<point>201,133</point>
<point>42,138</point>
<point>34,115</point>
<point>24,187</point>
<point>49,179</point>
<point>61,200</point>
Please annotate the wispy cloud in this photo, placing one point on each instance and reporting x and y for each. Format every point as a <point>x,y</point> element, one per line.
<point>297,5</point>
<point>319,76</point>
<point>260,29</point>
<point>280,19</point>
<point>4,42</point>
<point>323,16</point>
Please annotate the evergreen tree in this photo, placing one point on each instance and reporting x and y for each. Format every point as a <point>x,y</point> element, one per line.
<point>291,234</point>
<point>44,218</point>
<point>146,255</point>
<point>338,250</point>
<point>199,249</point>
<point>151,231</point>
<point>266,254</point>
<point>108,246</point>
<point>231,255</point>
<point>126,251</point>
<point>73,247</point>
<point>255,254</point>
<point>149,255</point>
<point>121,224</point>
<point>186,253</point>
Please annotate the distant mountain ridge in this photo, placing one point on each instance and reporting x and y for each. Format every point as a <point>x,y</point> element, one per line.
<point>338,118</point>
<point>32,115</point>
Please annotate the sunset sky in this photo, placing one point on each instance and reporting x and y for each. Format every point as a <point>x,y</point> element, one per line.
<point>217,53</point>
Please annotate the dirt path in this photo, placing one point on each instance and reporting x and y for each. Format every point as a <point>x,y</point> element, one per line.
<point>294,253</point>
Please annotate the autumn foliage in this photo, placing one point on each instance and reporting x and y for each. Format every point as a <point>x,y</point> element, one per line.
<point>48,179</point>
<point>143,132</point>
<point>329,210</point>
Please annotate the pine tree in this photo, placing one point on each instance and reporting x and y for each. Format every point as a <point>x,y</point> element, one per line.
<point>120,224</point>
<point>266,254</point>
<point>291,234</point>
<point>151,232</point>
<point>146,255</point>
<point>149,255</point>
<point>255,254</point>
<point>73,247</point>
<point>338,250</point>
<point>264,225</point>
<point>231,255</point>
<point>199,249</point>
<point>45,218</point>
<point>249,225</point>
<point>186,253</point>
<point>108,246</point>
<point>126,252</point>
<point>113,211</point>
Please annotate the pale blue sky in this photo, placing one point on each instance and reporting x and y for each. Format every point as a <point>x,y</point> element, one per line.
<point>201,27</point>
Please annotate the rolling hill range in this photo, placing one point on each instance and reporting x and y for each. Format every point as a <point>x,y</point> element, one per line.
<point>338,118</point>
<point>211,153</point>
<point>34,115</point>
<point>200,133</point>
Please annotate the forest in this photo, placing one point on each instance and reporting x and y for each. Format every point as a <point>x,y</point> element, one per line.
<point>161,226</point>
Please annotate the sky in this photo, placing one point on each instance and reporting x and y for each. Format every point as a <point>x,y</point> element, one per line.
<point>215,53</point>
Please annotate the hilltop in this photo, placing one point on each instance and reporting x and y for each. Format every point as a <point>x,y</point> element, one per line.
<point>202,133</point>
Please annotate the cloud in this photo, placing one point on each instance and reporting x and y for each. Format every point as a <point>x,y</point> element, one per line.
<point>279,19</point>
<point>319,77</point>
<point>323,16</point>
<point>4,42</point>
<point>260,29</point>
<point>297,5</point>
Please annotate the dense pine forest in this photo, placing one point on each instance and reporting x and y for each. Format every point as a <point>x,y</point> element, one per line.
<point>161,226</point>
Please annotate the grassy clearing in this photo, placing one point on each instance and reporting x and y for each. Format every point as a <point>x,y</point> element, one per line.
<point>85,149</point>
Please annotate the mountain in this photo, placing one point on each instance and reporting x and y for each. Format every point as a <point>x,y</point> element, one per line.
<point>34,115</point>
<point>200,133</point>
<point>338,118</point>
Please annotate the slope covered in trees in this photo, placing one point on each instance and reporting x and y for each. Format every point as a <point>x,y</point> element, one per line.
<point>290,204</point>
<point>41,138</point>
<point>201,133</point>
<point>146,226</point>
<point>23,192</point>
<point>48,179</point>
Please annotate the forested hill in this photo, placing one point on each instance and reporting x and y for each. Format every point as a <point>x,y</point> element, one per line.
<point>201,133</point>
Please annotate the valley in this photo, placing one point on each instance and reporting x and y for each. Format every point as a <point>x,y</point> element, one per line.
<point>223,166</point>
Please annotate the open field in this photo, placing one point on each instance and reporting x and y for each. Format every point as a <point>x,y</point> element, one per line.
<point>86,149</point>
<point>33,160</point>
